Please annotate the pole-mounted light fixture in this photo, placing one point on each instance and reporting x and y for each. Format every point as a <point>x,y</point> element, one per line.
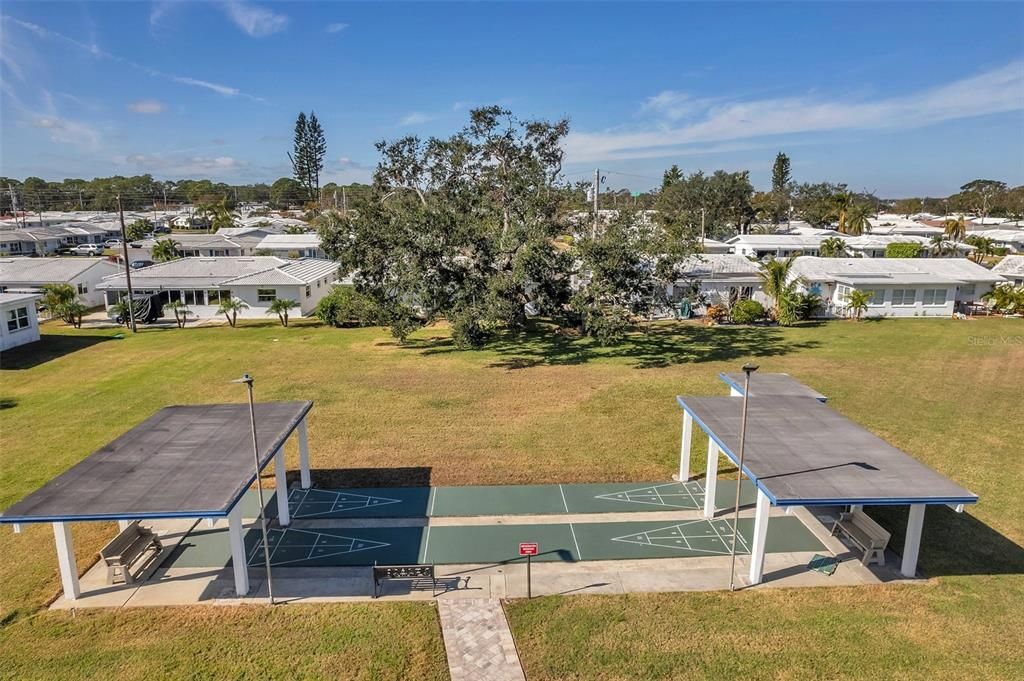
<point>247,379</point>
<point>747,370</point>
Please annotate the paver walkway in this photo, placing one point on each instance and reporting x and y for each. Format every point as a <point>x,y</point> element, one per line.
<point>478,641</point>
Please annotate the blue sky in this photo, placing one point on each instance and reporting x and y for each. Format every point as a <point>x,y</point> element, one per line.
<point>893,98</point>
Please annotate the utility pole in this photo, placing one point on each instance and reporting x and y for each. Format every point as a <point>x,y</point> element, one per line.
<point>344,202</point>
<point>127,267</point>
<point>80,205</point>
<point>14,203</point>
<point>597,192</point>
<point>702,230</point>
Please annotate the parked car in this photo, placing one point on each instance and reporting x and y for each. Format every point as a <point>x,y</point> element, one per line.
<point>112,243</point>
<point>139,264</point>
<point>88,249</point>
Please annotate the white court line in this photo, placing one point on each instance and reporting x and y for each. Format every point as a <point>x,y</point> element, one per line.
<point>566,505</point>
<point>727,545</point>
<point>579,554</point>
<point>655,488</point>
<point>696,504</point>
<point>433,498</point>
<point>426,545</point>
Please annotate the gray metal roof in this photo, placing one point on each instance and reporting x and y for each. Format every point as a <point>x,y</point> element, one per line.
<point>184,461</point>
<point>800,452</point>
<point>764,385</point>
<point>300,271</point>
<point>47,270</point>
<point>720,265</point>
<point>194,272</point>
<point>1010,265</point>
<point>916,270</point>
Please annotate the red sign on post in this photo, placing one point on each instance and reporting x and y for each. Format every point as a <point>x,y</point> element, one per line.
<point>528,549</point>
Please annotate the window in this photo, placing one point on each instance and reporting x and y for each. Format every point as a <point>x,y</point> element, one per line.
<point>877,296</point>
<point>903,296</point>
<point>17,319</point>
<point>934,296</point>
<point>309,290</point>
<point>83,288</point>
<point>844,292</point>
<point>967,290</point>
<point>266,295</point>
<point>193,297</point>
<point>173,296</point>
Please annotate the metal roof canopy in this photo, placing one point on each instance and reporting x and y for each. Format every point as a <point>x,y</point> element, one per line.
<point>192,461</point>
<point>800,452</point>
<point>763,385</point>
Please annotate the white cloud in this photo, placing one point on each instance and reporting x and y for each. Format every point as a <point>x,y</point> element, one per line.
<point>225,90</point>
<point>147,106</point>
<point>995,91</point>
<point>257,22</point>
<point>67,131</point>
<point>416,118</point>
<point>336,28</point>
<point>177,164</point>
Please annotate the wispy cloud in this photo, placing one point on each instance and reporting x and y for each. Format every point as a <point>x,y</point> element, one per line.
<point>995,91</point>
<point>257,22</point>
<point>183,165</point>
<point>336,27</point>
<point>98,53</point>
<point>147,106</point>
<point>417,118</point>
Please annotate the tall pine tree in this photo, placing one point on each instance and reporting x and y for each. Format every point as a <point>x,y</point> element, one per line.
<point>309,147</point>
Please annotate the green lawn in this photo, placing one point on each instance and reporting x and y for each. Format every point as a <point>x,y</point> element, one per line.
<point>532,409</point>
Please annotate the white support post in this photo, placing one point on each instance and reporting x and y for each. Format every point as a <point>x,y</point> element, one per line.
<point>122,525</point>
<point>764,505</point>
<point>711,480</point>
<point>236,537</point>
<point>684,448</point>
<point>16,527</point>
<point>304,455</point>
<point>66,559</point>
<point>281,484</point>
<point>211,522</point>
<point>912,542</point>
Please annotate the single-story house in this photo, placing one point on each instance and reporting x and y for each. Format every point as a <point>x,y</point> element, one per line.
<point>20,324</point>
<point>34,241</point>
<point>714,246</point>
<point>83,274</point>
<point>715,278</point>
<point>900,287</point>
<point>761,246</point>
<point>1012,239</point>
<point>874,245</point>
<point>1011,268</point>
<point>206,245</point>
<point>202,283</point>
<point>291,246</point>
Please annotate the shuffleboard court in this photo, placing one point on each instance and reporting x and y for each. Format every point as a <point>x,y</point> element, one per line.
<point>492,544</point>
<point>496,500</point>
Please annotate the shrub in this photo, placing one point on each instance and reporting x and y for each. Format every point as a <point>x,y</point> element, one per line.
<point>747,312</point>
<point>899,250</point>
<point>609,327</point>
<point>469,330</point>
<point>344,306</point>
<point>805,305</point>
<point>717,313</point>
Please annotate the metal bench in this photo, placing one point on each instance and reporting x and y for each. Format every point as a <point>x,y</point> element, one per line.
<point>126,549</point>
<point>409,573</point>
<point>865,533</point>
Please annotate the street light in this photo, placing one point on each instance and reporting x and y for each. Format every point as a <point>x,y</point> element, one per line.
<point>747,370</point>
<point>247,379</point>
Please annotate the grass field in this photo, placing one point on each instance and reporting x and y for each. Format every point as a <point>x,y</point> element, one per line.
<point>532,409</point>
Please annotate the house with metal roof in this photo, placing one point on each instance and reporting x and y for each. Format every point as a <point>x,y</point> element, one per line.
<point>899,287</point>
<point>18,322</point>
<point>205,245</point>
<point>82,274</point>
<point>203,283</point>
<point>291,245</point>
<point>776,245</point>
<point>716,278</point>
<point>1011,268</point>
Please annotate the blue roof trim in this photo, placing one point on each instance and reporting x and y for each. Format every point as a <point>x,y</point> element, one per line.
<point>729,382</point>
<point>822,501</point>
<point>221,513</point>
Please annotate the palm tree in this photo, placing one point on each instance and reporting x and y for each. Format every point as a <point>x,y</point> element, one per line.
<point>123,310</point>
<point>833,247</point>
<point>72,313</point>
<point>857,303</point>
<point>956,229</point>
<point>165,250</point>
<point>1005,298</point>
<point>280,307</point>
<point>841,202</point>
<point>940,246</point>
<point>857,219</point>
<point>221,217</point>
<point>180,310</point>
<point>56,297</point>
<point>983,247</point>
<point>777,285</point>
<point>230,309</point>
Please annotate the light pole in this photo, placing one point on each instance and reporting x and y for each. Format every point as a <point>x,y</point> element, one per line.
<point>247,379</point>
<point>747,370</point>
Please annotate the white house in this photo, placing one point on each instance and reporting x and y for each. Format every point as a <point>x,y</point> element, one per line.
<point>899,287</point>
<point>202,283</point>
<point>874,245</point>
<point>20,324</point>
<point>1013,239</point>
<point>776,245</point>
<point>291,246</point>
<point>1011,268</point>
<point>715,277</point>
<point>206,245</point>
<point>83,274</point>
